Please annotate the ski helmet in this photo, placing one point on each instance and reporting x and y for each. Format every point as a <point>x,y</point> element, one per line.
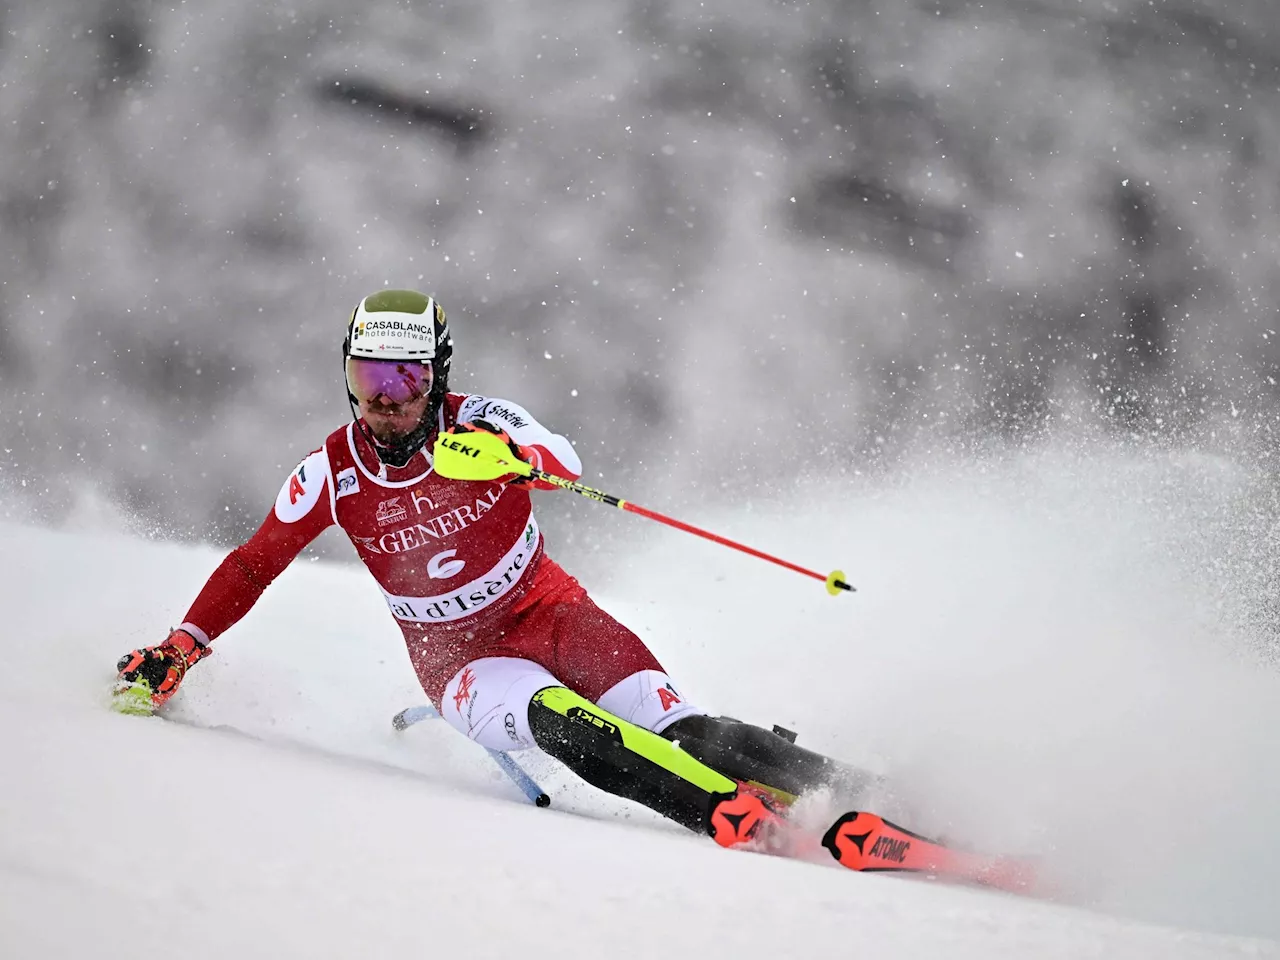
<point>408,326</point>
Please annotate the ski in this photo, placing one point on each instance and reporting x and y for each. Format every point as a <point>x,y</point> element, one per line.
<point>870,844</point>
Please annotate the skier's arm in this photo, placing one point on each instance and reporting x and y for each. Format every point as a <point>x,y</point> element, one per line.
<point>302,512</point>
<point>539,446</point>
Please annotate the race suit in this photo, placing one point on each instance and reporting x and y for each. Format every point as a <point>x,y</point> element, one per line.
<point>488,618</point>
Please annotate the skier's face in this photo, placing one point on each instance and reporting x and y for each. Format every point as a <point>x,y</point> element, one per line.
<point>392,395</point>
<point>393,421</point>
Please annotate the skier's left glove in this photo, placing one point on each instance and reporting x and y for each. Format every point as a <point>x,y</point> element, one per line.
<point>519,451</point>
<point>150,676</point>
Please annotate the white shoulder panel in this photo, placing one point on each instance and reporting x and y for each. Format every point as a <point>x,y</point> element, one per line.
<point>302,490</point>
<point>467,411</point>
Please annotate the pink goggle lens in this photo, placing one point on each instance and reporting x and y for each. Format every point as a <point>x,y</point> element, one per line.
<point>399,381</point>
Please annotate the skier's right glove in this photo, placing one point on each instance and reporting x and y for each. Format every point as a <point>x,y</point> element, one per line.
<point>518,451</point>
<point>150,676</point>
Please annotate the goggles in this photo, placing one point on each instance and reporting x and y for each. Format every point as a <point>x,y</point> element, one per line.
<point>398,381</point>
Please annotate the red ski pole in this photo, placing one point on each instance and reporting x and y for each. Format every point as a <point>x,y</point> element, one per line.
<point>484,456</point>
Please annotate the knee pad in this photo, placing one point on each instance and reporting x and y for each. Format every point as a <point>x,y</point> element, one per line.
<point>488,701</point>
<point>648,699</point>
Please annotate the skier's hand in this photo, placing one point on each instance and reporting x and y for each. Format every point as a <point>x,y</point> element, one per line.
<point>518,451</point>
<point>157,672</point>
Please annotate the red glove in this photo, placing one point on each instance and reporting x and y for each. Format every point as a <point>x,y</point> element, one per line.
<point>156,672</point>
<point>521,453</point>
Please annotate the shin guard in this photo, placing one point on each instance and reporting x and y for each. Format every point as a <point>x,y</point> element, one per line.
<point>626,760</point>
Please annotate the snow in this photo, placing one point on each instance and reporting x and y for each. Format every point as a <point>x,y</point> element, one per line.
<point>315,830</point>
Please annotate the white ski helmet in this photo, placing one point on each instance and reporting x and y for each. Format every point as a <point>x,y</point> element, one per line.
<point>401,325</point>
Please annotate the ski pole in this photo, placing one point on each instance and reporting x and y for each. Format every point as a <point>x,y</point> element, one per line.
<point>528,786</point>
<point>483,456</point>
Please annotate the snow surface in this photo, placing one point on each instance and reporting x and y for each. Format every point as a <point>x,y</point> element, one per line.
<point>1033,680</point>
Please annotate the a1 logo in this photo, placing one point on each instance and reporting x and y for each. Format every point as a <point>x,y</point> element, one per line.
<point>441,567</point>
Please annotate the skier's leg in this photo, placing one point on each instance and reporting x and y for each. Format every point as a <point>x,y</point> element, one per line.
<point>507,703</point>
<point>488,701</point>
<point>609,664</point>
<point>755,755</point>
<point>625,760</point>
<point>649,699</point>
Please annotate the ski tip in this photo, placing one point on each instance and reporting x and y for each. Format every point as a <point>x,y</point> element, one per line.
<point>398,722</point>
<point>1014,875</point>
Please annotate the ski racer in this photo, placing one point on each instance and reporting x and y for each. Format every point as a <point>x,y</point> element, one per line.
<point>506,644</point>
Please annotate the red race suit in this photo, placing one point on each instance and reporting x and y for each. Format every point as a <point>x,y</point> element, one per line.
<point>461,563</point>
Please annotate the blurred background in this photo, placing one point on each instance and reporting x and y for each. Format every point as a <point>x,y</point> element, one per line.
<point>977,300</point>
<point>719,244</point>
